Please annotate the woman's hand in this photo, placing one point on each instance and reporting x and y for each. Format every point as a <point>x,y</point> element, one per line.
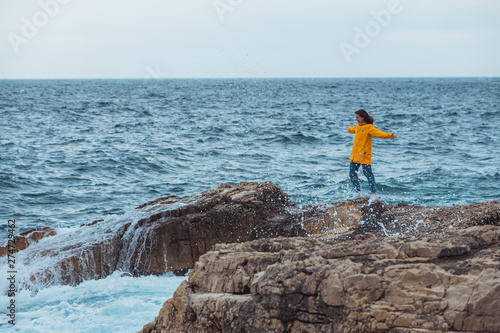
<point>394,136</point>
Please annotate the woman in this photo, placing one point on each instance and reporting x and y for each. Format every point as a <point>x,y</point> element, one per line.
<point>362,151</point>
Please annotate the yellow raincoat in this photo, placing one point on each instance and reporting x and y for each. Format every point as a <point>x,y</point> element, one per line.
<point>362,145</point>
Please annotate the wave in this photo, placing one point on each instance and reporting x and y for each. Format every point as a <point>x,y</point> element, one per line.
<point>118,303</point>
<point>297,138</point>
<point>103,104</point>
<point>255,156</point>
<point>156,95</point>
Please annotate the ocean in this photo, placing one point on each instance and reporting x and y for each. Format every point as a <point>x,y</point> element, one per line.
<point>75,151</point>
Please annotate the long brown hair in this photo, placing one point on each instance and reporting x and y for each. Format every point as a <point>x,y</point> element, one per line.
<point>368,119</point>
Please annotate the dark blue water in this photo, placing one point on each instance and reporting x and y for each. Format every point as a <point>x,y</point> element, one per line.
<point>73,151</point>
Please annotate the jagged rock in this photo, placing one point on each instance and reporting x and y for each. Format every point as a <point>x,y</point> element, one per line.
<point>168,234</point>
<point>226,214</point>
<point>352,217</point>
<point>171,233</point>
<point>26,238</point>
<point>434,283</point>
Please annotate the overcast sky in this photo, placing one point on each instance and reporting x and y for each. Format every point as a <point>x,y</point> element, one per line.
<point>248,38</point>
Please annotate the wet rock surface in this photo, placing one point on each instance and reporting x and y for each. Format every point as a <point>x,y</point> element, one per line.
<point>168,234</point>
<point>448,281</point>
<point>24,239</point>
<point>171,233</point>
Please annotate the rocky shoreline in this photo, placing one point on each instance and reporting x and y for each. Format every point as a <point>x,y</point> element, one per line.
<point>440,283</point>
<point>260,262</point>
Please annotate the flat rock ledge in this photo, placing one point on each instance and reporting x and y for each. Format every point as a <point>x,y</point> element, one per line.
<point>446,282</point>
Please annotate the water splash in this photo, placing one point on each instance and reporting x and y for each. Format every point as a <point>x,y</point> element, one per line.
<point>118,303</point>
<point>81,253</point>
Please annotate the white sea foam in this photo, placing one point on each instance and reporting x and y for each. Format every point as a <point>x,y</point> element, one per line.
<point>118,303</point>
<point>43,259</point>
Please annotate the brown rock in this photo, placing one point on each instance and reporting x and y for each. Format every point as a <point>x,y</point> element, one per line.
<point>348,218</point>
<point>168,234</point>
<point>339,219</point>
<point>171,233</point>
<point>308,285</point>
<point>24,239</point>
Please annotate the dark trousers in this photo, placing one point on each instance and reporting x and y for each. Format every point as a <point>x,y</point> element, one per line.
<point>367,171</point>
